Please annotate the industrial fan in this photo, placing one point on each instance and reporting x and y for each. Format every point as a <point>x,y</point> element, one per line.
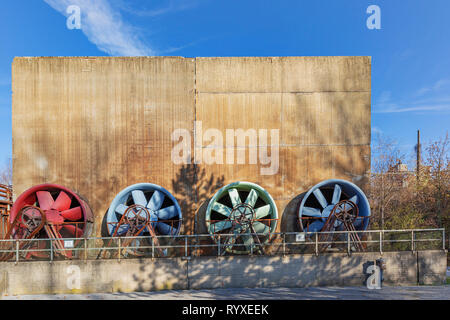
<point>49,211</point>
<point>241,209</point>
<point>335,205</point>
<point>141,210</point>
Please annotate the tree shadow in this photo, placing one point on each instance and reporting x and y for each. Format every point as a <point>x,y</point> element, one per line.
<point>193,188</point>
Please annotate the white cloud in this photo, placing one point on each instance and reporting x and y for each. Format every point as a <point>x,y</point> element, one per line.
<point>105,27</point>
<point>395,108</point>
<point>432,98</point>
<point>436,87</point>
<point>172,6</point>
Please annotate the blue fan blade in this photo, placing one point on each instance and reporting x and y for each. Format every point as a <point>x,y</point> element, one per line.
<point>311,212</point>
<point>320,197</point>
<point>156,201</point>
<point>167,213</point>
<point>165,229</point>
<point>122,229</point>
<point>316,226</point>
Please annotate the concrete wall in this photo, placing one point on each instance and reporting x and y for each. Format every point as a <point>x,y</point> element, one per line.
<point>99,124</point>
<point>403,268</point>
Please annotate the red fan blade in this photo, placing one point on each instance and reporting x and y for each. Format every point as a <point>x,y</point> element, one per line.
<point>30,200</point>
<point>72,214</point>
<point>45,200</point>
<point>62,202</point>
<point>71,228</point>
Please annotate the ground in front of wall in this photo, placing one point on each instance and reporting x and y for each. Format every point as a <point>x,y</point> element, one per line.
<point>333,293</point>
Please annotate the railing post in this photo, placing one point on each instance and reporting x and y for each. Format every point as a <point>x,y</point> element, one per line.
<point>218,246</point>
<point>381,241</point>
<point>120,249</point>
<point>284,244</point>
<point>51,250</point>
<point>412,240</point>
<point>85,249</point>
<point>317,244</point>
<point>185,246</point>
<point>17,250</point>
<point>348,243</point>
<point>153,248</point>
<point>443,239</point>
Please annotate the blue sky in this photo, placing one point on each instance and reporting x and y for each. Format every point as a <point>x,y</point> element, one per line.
<point>410,54</point>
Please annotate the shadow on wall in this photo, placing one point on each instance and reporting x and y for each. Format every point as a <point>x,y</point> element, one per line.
<point>249,272</point>
<point>192,188</point>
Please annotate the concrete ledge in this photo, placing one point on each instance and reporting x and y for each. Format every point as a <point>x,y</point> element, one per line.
<point>337,269</point>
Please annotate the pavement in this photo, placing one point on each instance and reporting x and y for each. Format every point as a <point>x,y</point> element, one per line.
<point>316,293</point>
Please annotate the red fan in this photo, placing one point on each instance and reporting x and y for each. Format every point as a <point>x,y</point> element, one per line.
<point>66,214</point>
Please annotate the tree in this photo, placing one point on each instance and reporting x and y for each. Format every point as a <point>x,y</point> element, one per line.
<point>437,175</point>
<point>384,182</point>
<point>6,173</point>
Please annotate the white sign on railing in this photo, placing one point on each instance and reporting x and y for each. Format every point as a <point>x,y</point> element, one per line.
<point>300,237</point>
<point>68,243</point>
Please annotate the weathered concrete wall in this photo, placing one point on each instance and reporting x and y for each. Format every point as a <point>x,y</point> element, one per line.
<point>99,124</point>
<point>96,276</point>
<point>432,268</point>
<point>403,268</point>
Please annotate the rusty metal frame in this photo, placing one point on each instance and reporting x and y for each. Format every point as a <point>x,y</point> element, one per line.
<point>6,202</point>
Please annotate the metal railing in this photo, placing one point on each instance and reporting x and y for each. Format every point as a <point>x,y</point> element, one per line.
<point>186,246</point>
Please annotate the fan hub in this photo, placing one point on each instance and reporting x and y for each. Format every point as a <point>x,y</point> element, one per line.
<point>243,213</point>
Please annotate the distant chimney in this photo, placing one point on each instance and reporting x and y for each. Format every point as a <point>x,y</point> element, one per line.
<point>418,155</point>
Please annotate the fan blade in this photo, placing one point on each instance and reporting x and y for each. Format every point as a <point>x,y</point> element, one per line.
<point>165,229</point>
<point>156,201</point>
<point>311,212</point>
<point>336,194</point>
<point>30,200</point>
<point>234,196</point>
<point>72,214</point>
<point>167,213</point>
<point>221,208</point>
<point>261,227</point>
<point>251,198</point>
<point>354,199</point>
<point>62,202</point>
<point>45,200</point>
<point>123,228</point>
<point>320,197</point>
<point>262,212</point>
<point>121,208</point>
<point>71,228</point>
<point>139,197</point>
<point>219,226</point>
<point>316,226</point>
